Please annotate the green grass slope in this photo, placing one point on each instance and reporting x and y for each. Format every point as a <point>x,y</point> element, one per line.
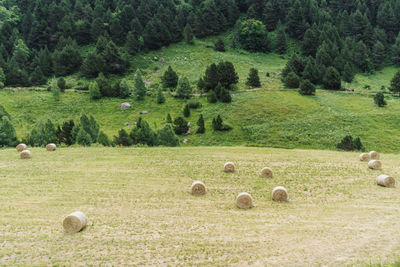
<point>275,118</point>
<point>141,213</point>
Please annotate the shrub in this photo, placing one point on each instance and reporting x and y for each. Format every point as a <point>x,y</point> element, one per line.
<point>218,124</point>
<point>350,144</point>
<point>219,45</point>
<point>167,137</point>
<point>253,80</point>
<point>124,89</point>
<point>180,126</point>
<point>307,88</point>
<point>62,84</point>
<point>123,138</point>
<point>104,140</point>
<point>160,97</point>
<point>212,97</point>
<point>56,93</point>
<point>143,134</point>
<point>225,96</point>
<point>184,89</point>
<point>292,80</point>
<point>200,123</point>
<point>379,99</point>
<point>186,111</point>
<point>194,104</point>
<point>94,91</point>
<point>83,138</point>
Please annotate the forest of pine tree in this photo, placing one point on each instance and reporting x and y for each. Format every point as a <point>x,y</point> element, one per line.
<point>43,38</point>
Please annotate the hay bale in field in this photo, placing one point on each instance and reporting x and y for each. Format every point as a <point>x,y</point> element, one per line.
<point>375,164</point>
<point>51,147</point>
<point>266,172</point>
<point>21,147</point>
<point>229,167</point>
<point>374,155</point>
<point>26,154</point>
<point>365,157</point>
<point>244,201</point>
<point>280,194</point>
<point>75,222</point>
<point>198,188</point>
<point>385,180</point>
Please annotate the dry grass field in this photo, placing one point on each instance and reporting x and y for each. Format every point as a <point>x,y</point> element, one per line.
<point>141,212</point>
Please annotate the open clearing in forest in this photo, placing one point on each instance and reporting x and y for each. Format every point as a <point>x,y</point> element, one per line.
<point>141,212</point>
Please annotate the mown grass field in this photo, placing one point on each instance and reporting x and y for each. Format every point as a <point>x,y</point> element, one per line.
<point>273,118</point>
<point>141,211</point>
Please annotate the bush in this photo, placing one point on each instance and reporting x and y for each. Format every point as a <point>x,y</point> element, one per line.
<point>143,134</point>
<point>350,144</point>
<point>219,45</point>
<point>160,97</point>
<point>200,123</point>
<point>218,124</point>
<point>292,80</point>
<point>379,99</point>
<point>123,138</point>
<point>307,88</point>
<point>167,137</point>
<point>83,138</point>
<point>186,111</point>
<point>194,104</point>
<point>184,89</point>
<point>253,80</point>
<point>94,91</point>
<point>180,126</point>
<point>62,84</point>
<point>212,97</point>
<point>104,140</point>
<point>7,133</point>
<point>124,89</point>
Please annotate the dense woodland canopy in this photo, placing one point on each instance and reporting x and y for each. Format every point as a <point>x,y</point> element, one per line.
<point>42,38</point>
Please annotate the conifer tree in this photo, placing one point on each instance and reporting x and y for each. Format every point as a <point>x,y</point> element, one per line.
<point>133,43</point>
<point>186,111</point>
<point>379,99</point>
<point>123,138</point>
<point>348,73</point>
<point>379,55</point>
<point>167,137</point>
<point>253,80</point>
<point>37,77</point>
<point>184,89</point>
<point>227,75</point>
<point>270,16</point>
<point>307,88</point>
<point>219,45</point>
<point>139,86</point>
<point>225,96</point>
<point>180,126</point>
<point>292,80</point>
<point>160,96</point>
<point>125,89</point>
<point>94,91</point>
<point>395,83</point>
<point>211,77</point>
<point>188,34</point>
<point>280,44</point>
<point>8,136</point>
<point>104,140</point>
<point>332,79</point>
<point>170,78</point>
<point>200,123</point>
<point>212,97</point>
<point>169,119</point>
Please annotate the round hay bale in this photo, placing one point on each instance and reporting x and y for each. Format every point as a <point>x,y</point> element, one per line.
<point>365,157</point>
<point>21,147</point>
<point>244,201</point>
<point>229,167</point>
<point>51,147</point>
<point>375,164</point>
<point>26,154</point>
<point>385,180</point>
<point>198,188</point>
<point>280,194</point>
<point>374,155</point>
<point>75,222</point>
<point>266,172</point>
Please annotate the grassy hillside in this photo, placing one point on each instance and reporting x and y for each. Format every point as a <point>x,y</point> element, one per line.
<point>141,211</point>
<point>269,118</point>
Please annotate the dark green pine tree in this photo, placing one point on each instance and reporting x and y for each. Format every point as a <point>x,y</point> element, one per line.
<point>296,24</point>
<point>169,119</point>
<point>139,86</point>
<point>211,77</point>
<point>104,86</point>
<point>115,62</point>
<point>45,62</point>
<point>348,73</point>
<point>332,79</point>
<point>156,34</point>
<point>227,75</point>
<point>180,126</point>
<point>170,78</point>
<point>133,43</point>
<point>166,137</point>
<point>200,123</point>
<point>93,65</point>
<point>160,97</point>
<point>123,138</point>
<point>379,99</point>
<point>62,84</point>
<point>66,132</point>
<point>310,42</point>
<point>219,45</point>
<point>188,34</point>
<point>225,96</point>
<point>395,83</point>
<point>396,51</point>
<point>270,16</point>
<point>8,136</point>
<point>379,54</point>
<point>37,77</point>
<point>117,31</point>
<point>311,72</point>
<point>281,43</point>
<point>186,111</point>
<point>292,80</point>
<point>68,60</point>
<point>253,80</point>
<point>97,28</point>
<point>212,97</point>
<point>184,89</point>
<point>307,88</point>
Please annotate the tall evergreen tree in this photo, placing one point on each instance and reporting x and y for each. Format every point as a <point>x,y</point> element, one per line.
<point>188,34</point>
<point>184,89</point>
<point>281,43</point>
<point>139,87</point>
<point>200,123</point>
<point>253,80</point>
<point>170,78</point>
<point>332,79</point>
